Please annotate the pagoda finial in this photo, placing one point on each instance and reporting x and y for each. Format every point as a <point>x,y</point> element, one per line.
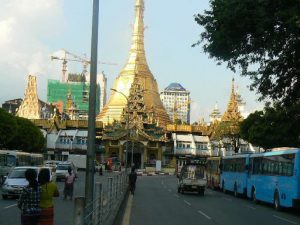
<point>232,86</point>
<point>137,51</point>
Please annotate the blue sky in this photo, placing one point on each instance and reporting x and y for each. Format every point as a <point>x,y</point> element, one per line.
<point>32,30</point>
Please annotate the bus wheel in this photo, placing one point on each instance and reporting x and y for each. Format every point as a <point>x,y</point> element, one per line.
<point>4,196</point>
<point>178,190</point>
<point>201,192</point>
<point>253,195</point>
<point>277,201</point>
<point>235,192</point>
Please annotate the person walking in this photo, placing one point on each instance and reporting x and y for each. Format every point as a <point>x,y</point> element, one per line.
<point>132,180</point>
<point>29,202</point>
<point>69,184</point>
<point>49,190</point>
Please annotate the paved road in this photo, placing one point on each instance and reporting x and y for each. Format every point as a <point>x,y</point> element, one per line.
<point>156,202</point>
<point>10,214</point>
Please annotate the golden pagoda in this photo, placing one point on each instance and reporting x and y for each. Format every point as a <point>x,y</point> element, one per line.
<point>71,109</point>
<point>136,67</point>
<point>232,112</point>
<point>30,107</point>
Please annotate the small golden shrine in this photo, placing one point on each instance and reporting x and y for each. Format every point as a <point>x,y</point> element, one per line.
<point>30,108</point>
<point>232,112</point>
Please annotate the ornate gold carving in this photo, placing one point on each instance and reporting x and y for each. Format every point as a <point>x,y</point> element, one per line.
<point>30,107</point>
<point>232,112</point>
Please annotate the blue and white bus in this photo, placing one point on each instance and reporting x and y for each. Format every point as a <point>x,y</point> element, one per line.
<point>274,177</point>
<point>234,173</point>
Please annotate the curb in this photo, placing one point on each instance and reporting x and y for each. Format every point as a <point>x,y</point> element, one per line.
<point>154,174</point>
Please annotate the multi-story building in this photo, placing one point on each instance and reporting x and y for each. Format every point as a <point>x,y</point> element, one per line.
<point>176,101</point>
<point>58,92</point>
<point>12,105</point>
<point>102,80</point>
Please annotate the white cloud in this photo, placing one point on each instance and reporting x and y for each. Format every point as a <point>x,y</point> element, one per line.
<point>6,27</point>
<point>25,26</point>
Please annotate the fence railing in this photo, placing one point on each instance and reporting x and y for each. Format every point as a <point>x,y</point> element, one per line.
<point>108,197</point>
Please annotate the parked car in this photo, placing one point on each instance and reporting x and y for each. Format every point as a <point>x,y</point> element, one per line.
<point>62,170</point>
<point>16,181</point>
<point>52,163</point>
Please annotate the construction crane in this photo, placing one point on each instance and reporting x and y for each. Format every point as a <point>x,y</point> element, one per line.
<point>75,58</point>
<point>176,107</point>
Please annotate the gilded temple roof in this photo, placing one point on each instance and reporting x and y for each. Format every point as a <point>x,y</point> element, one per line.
<point>232,112</point>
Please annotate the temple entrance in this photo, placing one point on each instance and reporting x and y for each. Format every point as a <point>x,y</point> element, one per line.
<point>135,154</point>
<point>136,158</point>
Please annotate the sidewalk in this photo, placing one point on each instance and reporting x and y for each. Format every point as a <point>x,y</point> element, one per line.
<point>64,209</point>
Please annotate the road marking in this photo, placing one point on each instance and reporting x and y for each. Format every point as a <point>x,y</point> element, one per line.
<point>227,199</point>
<point>177,196</point>
<point>249,206</point>
<point>203,214</point>
<point>126,217</point>
<point>187,202</point>
<point>286,220</point>
<point>7,207</point>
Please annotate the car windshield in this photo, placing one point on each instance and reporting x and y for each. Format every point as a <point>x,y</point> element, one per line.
<point>18,173</point>
<point>62,167</point>
<point>193,172</point>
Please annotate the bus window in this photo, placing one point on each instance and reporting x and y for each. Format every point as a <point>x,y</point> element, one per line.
<point>11,161</point>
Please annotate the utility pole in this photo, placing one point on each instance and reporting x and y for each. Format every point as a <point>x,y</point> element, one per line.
<point>89,178</point>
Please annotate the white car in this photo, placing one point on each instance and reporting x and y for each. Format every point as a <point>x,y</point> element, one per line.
<point>52,163</point>
<point>62,170</point>
<point>16,181</point>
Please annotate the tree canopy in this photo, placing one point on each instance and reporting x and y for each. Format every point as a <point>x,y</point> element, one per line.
<point>259,37</point>
<point>19,133</point>
<point>8,127</point>
<point>228,130</point>
<point>273,127</point>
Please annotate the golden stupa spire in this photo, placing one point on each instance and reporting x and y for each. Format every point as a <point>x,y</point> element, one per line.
<point>232,112</point>
<point>135,69</point>
<point>30,107</point>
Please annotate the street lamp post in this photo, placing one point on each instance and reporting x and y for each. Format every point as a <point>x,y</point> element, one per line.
<point>127,127</point>
<point>89,179</point>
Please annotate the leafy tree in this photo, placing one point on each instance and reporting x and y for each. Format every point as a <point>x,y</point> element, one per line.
<point>274,127</point>
<point>228,130</point>
<point>260,37</point>
<point>28,137</point>
<point>8,127</point>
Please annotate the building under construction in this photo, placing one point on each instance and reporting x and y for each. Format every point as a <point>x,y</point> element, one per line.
<point>75,90</point>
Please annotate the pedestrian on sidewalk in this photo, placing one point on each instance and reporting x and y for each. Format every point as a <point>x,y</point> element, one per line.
<point>100,170</point>
<point>29,201</point>
<point>132,180</point>
<point>69,184</point>
<point>49,190</point>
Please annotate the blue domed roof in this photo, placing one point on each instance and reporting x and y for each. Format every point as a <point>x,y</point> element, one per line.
<point>175,87</point>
